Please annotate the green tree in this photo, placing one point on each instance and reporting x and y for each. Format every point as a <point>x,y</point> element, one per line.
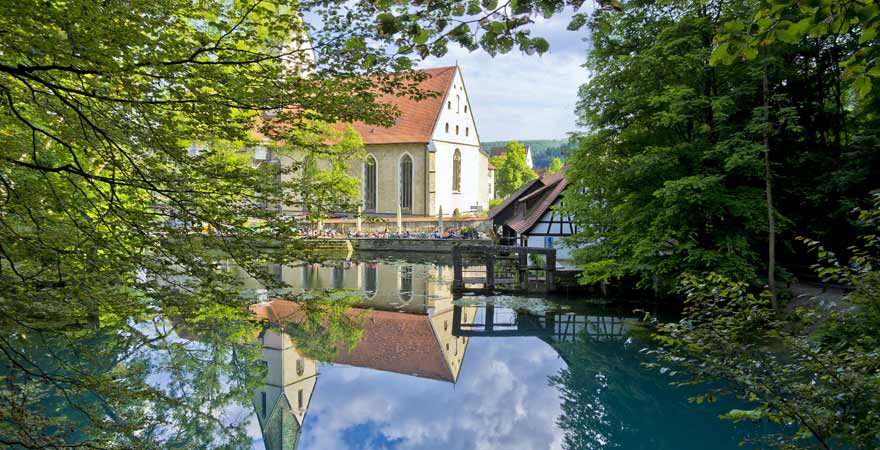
<point>676,167</point>
<point>127,188</point>
<point>554,166</point>
<point>817,371</point>
<point>511,171</point>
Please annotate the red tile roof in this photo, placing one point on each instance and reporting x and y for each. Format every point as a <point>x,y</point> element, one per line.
<point>417,117</point>
<point>391,341</point>
<point>511,198</point>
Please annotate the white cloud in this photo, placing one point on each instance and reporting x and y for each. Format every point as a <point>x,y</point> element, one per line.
<point>518,96</point>
<point>502,400</point>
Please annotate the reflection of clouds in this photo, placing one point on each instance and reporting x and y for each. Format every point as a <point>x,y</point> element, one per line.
<point>502,400</point>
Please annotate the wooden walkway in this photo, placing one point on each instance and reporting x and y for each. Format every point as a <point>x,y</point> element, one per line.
<point>503,268</point>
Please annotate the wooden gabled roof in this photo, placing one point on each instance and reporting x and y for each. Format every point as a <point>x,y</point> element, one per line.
<point>541,193</point>
<point>417,117</point>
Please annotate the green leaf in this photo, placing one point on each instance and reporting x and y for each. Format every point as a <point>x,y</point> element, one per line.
<point>868,34</point>
<point>862,85</point>
<point>422,37</point>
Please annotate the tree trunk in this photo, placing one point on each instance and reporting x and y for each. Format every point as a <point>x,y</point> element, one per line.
<point>771,220</point>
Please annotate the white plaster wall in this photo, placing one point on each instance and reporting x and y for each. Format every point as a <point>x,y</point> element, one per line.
<point>474,164</point>
<point>473,179</point>
<point>455,115</point>
<point>562,252</point>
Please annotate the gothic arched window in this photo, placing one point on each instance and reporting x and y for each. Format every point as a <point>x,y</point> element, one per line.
<point>406,283</point>
<point>456,171</point>
<point>370,279</point>
<point>406,188</point>
<point>370,183</point>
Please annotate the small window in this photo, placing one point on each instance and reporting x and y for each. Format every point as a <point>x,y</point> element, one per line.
<point>445,325</point>
<point>456,130</point>
<point>449,104</point>
<point>457,104</point>
<point>447,127</point>
<point>300,366</point>
<point>299,397</point>
<point>467,131</point>
<point>456,171</point>
<point>465,108</point>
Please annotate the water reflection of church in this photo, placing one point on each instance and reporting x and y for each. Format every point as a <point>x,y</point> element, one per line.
<point>406,320</point>
<point>410,326</point>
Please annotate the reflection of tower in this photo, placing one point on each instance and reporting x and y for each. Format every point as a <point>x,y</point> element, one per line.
<point>281,404</point>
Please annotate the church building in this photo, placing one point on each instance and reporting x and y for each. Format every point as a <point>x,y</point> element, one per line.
<point>430,159</point>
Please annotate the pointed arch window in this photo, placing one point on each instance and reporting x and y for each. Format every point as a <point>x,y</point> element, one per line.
<point>406,283</point>
<point>456,171</point>
<point>370,279</point>
<point>370,183</point>
<point>406,187</point>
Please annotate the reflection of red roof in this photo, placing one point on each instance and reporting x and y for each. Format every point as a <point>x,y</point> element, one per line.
<point>391,341</point>
<point>400,343</point>
<point>417,117</point>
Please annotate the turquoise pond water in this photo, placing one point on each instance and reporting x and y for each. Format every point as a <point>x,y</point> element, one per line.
<point>504,372</point>
<point>400,365</point>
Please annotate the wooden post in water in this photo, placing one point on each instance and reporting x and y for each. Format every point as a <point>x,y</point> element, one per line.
<point>490,317</point>
<point>550,270</point>
<point>457,281</point>
<point>523,268</point>
<point>490,270</point>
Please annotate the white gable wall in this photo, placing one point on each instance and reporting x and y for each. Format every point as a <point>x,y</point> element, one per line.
<point>456,116</point>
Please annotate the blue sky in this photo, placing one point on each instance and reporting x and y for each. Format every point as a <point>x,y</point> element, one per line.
<point>518,96</point>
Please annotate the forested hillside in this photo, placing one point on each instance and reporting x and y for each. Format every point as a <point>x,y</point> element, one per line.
<point>543,150</point>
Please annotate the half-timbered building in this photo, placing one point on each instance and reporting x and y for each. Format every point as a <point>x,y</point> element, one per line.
<point>531,217</point>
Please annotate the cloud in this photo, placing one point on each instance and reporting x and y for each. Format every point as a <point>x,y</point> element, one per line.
<point>502,400</point>
<point>518,96</point>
